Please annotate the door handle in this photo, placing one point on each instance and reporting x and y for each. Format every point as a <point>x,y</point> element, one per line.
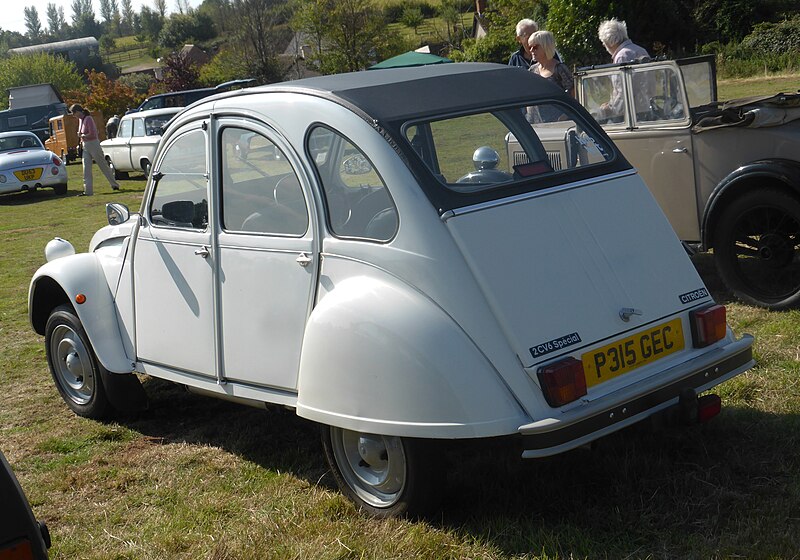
<point>304,260</point>
<point>203,252</point>
<point>680,150</point>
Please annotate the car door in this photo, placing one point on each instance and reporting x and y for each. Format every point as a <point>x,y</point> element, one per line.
<point>653,131</point>
<point>117,148</point>
<point>173,263</point>
<point>138,143</point>
<point>268,259</point>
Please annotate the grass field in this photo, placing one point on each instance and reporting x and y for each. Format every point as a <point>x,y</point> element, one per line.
<point>198,478</point>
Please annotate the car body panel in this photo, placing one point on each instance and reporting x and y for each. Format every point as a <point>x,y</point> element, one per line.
<point>425,331</point>
<point>137,139</point>
<point>25,164</point>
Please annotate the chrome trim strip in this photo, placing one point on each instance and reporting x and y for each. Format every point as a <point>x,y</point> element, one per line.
<point>535,194</point>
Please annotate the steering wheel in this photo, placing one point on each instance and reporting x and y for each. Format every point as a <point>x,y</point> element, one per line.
<point>27,143</point>
<point>662,106</point>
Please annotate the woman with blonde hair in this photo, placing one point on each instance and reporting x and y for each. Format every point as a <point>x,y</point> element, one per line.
<point>542,46</point>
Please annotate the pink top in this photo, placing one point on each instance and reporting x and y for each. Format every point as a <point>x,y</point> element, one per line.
<point>87,130</point>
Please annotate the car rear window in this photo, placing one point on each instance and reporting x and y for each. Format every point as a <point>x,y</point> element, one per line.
<point>491,149</point>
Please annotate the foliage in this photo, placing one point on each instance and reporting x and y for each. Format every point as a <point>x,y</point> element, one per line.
<point>183,28</point>
<point>775,38</point>
<point>57,26</point>
<point>137,81</point>
<point>574,24</point>
<point>228,64</point>
<point>32,22</point>
<point>412,17</point>
<point>394,12</point>
<point>107,43</point>
<point>180,73</point>
<point>257,36</point>
<point>106,95</point>
<point>39,68</point>
<point>150,23</point>
<point>351,34</point>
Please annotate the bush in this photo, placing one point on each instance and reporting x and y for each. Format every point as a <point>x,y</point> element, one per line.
<point>394,12</point>
<point>775,38</point>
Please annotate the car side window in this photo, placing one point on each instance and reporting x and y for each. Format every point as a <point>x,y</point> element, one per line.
<point>180,198</point>
<point>261,192</point>
<point>358,204</point>
<point>604,97</point>
<point>138,127</point>
<point>656,95</point>
<point>125,128</point>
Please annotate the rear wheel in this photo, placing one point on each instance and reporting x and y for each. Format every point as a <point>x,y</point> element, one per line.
<point>60,189</point>
<point>117,174</point>
<point>385,476</point>
<point>74,366</point>
<point>757,248</point>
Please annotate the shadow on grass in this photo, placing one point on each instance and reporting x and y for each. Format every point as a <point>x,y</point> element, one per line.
<point>31,197</point>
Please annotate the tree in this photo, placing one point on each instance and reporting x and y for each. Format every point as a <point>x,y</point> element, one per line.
<point>109,96</point>
<point>126,19</point>
<point>574,24</point>
<point>56,22</point>
<point>228,64</point>
<point>256,23</point>
<point>180,28</point>
<point>150,23</point>
<point>161,7</point>
<point>179,73</point>
<point>39,68</point>
<point>351,34</point>
<point>412,17</point>
<point>32,22</point>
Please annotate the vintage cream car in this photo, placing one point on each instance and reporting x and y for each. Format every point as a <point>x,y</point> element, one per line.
<point>133,149</point>
<point>384,278</point>
<point>727,175</point>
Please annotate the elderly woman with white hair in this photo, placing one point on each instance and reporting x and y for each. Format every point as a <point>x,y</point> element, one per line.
<point>614,36</point>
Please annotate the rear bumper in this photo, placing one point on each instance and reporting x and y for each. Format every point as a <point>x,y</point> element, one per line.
<point>551,436</point>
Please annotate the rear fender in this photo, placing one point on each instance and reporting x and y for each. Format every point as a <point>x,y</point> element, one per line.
<point>783,173</point>
<point>59,282</point>
<point>380,357</point>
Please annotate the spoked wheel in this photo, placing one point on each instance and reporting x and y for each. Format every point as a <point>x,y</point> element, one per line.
<point>74,367</point>
<point>757,248</point>
<point>386,476</point>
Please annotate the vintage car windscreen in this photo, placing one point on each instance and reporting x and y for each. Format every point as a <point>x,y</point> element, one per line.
<point>180,198</point>
<point>473,153</point>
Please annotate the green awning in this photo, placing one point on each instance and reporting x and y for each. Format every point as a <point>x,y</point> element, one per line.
<point>411,58</point>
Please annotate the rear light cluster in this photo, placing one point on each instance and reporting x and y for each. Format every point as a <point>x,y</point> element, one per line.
<point>564,381</point>
<point>56,160</point>
<point>708,325</point>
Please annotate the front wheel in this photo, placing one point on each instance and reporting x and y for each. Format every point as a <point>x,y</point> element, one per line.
<point>757,248</point>
<point>385,476</point>
<point>74,366</point>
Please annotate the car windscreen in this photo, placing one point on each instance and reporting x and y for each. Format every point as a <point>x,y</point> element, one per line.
<point>495,149</point>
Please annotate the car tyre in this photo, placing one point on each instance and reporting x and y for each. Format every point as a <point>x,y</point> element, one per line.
<point>757,248</point>
<point>74,366</point>
<point>60,188</point>
<point>385,476</point>
<point>117,174</point>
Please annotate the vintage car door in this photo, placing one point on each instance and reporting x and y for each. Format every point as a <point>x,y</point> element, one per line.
<point>117,148</point>
<point>652,128</point>
<point>173,265</point>
<point>137,145</point>
<point>268,259</point>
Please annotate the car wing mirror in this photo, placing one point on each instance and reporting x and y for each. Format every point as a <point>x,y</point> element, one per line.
<point>117,213</point>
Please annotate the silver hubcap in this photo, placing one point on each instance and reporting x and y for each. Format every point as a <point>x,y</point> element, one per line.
<point>72,364</point>
<point>374,466</point>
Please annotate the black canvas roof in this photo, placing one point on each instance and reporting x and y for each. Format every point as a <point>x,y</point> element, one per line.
<point>400,94</point>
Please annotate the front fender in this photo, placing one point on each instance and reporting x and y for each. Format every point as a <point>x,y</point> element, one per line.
<point>59,282</point>
<point>781,172</point>
<point>382,358</point>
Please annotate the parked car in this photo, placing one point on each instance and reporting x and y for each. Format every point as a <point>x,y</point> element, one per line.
<point>134,147</point>
<point>22,537</point>
<point>189,96</point>
<point>726,175</point>
<point>64,139</point>
<point>25,165</point>
<point>385,278</point>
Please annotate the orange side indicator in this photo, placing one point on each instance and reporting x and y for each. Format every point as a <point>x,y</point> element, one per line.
<point>80,298</point>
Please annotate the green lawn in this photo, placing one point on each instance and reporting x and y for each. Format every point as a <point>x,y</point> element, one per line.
<point>198,478</point>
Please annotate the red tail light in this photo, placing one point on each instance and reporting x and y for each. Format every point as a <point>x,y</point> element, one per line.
<point>563,381</point>
<point>708,325</point>
<point>708,406</point>
<point>56,160</point>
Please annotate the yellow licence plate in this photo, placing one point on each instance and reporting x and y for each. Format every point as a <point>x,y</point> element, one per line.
<point>29,174</point>
<point>629,353</point>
